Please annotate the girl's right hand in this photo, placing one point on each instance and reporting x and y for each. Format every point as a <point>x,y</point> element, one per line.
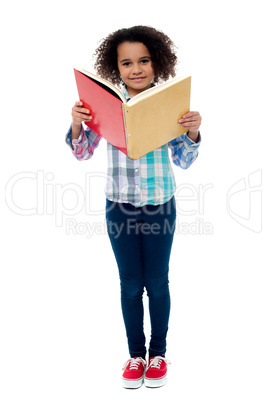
<point>80,114</point>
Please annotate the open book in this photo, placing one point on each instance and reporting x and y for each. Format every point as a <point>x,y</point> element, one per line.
<point>141,125</point>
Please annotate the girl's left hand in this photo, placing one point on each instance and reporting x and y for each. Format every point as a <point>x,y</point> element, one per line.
<point>191,121</point>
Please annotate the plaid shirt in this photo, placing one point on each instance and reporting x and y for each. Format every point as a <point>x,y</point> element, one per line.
<point>147,180</point>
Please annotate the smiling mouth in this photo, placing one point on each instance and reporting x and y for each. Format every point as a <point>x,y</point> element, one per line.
<point>138,78</point>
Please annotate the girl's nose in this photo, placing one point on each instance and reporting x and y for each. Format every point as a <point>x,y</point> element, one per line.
<point>136,69</point>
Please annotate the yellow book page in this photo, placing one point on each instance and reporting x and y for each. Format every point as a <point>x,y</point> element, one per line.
<point>152,122</point>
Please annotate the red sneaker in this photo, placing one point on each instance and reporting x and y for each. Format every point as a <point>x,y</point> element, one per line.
<point>134,372</point>
<point>156,374</point>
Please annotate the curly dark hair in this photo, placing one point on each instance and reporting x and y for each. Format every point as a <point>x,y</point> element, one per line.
<point>159,45</point>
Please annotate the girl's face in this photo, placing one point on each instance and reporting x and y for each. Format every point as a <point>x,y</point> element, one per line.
<point>135,66</point>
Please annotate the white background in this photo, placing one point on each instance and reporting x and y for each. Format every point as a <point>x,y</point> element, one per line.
<point>62,336</point>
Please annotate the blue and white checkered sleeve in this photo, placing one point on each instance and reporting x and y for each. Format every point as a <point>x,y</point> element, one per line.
<point>184,151</point>
<point>85,145</point>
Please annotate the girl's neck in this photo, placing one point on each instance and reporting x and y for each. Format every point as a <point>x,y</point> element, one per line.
<point>132,91</point>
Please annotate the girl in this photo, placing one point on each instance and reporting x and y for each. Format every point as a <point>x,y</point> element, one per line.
<point>140,203</point>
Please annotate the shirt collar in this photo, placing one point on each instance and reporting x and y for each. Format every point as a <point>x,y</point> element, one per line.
<point>125,93</point>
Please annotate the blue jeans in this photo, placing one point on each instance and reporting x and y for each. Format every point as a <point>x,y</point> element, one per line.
<point>141,239</point>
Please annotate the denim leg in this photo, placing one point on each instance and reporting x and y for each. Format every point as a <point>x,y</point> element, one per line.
<point>127,248</point>
<point>142,245</point>
<point>157,246</point>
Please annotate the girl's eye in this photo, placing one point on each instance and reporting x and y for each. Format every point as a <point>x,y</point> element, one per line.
<point>128,63</point>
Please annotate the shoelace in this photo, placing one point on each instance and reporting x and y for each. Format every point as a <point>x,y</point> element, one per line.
<point>156,361</point>
<point>134,363</point>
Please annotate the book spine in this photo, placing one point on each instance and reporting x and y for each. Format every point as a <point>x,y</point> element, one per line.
<point>127,135</point>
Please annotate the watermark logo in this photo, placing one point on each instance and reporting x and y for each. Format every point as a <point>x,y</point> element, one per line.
<point>37,193</point>
<point>244,201</point>
<point>46,197</point>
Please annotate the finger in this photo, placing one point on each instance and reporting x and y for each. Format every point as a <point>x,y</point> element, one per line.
<point>81,117</point>
<point>191,125</point>
<point>83,110</point>
<point>189,120</point>
<point>190,114</point>
<point>80,110</point>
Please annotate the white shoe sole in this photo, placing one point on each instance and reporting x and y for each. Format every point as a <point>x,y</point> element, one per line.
<point>155,383</point>
<point>132,384</point>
